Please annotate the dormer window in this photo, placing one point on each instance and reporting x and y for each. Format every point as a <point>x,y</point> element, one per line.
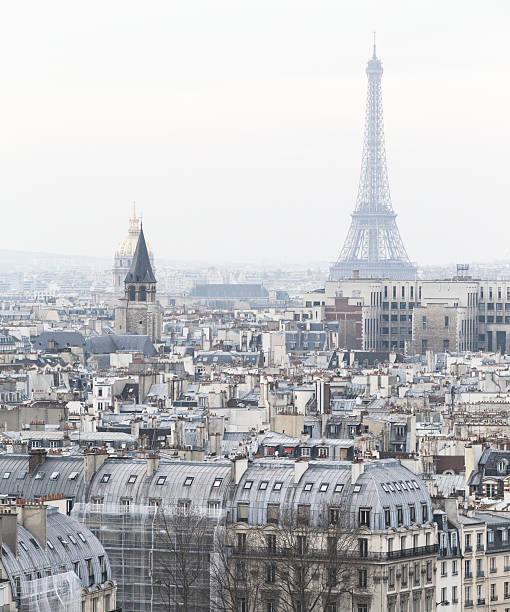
<point>308,486</point>
<point>502,465</point>
<point>188,481</point>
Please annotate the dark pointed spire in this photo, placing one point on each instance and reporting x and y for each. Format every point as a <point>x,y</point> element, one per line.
<point>141,269</point>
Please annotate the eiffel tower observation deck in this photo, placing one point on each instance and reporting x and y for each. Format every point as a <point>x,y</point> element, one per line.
<point>373,247</point>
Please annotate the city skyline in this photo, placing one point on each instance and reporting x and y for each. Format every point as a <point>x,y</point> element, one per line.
<point>260,144</point>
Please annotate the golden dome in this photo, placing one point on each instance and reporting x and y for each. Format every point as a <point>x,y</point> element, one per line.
<point>127,245</point>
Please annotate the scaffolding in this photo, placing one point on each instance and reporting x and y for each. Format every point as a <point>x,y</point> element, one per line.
<point>129,535</point>
<point>57,593</point>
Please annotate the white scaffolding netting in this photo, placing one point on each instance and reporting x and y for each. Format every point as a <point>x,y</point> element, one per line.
<point>58,593</point>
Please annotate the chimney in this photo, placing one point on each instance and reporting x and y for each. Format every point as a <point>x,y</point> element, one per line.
<point>92,461</point>
<point>152,463</point>
<point>239,467</point>
<point>355,274</point>
<point>9,528</point>
<point>472,454</point>
<point>33,518</point>
<point>35,458</point>
<point>135,428</point>
<point>357,469</point>
<point>300,468</point>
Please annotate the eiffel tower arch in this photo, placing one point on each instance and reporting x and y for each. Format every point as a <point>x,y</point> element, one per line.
<point>373,247</point>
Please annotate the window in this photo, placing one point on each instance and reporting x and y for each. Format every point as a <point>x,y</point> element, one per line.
<point>364,516</point>
<point>188,481</point>
<point>302,544</point>
<point>271,542</point>
<point>54,475</point>
<point>424,322</point>
<point>443,568</point>
<point>161,480</point>
<point>73,476</point>
<point>72,538</point>
<point>248,484</point>
<point>273,513</point>
<point>303,514</point>
<point>7,475</point>
<point>82,537</point>
<point>132,479</point>
<point>106,478</point>
<point>324,487</point>
<point>384,488</point>
<point>363,547</point>
<point>334,516</point>
<point>387,517</point>
<point>400,516</point>
<point>125,504</point>
<point>242,512</point>
<point>277,486</point>
<point>425,512</point>
<point>412,513</point>
<point>305,451</point>
<point>308,486</point>
<point>323,452</point>
<point>50,545</point>
<point>443,595</point>
<point>339,488</point>
<point>357,488</point>
<point>391,578</point>
<point>271,573</point>
<point>446,321</point>
<point>217,482</point>
<point>454,594</point>
<point>241,541</point>
<point>467,568</point>
<point>21,475</point>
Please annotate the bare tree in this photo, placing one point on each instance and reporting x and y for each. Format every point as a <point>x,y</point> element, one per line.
<point>235,581</point>
<point>181,558</point>
<point>299,564</point>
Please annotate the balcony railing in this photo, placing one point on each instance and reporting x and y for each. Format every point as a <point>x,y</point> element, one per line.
<point>310,553</point>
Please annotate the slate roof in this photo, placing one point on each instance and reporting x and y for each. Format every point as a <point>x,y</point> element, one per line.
<point>141,269</point>
<point>112,343</point>
<point>34,556</point>
<point>228,291</point>
<point>60,339</point>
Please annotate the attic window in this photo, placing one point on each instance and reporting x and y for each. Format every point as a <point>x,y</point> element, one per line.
<point>62,541</point>
<point>263,485</point>
<point>72,538</point>
<point>73,476</point>
<point>34,543</point>
<point>403,485</point>
<point>82,537</point>
<point>23,545</point>
<point>416,485</point>
<point>248,484</point>
<point>54,475</point>
<point>217,482</point>
<point>357,488</point>
<point>50,545</point>
<point>161,480</point>
<point>308,486</point>
<point>408,483</point>
<point>324,487</point>
<point>132,479</point>
<point>21,475</point>
<point>390,487</point>
<point>188,481</point>
<point>339,488</point>
<point>277,486</point>
<point>7,475</point>
<point>397,486</point>
<point>105,478</point>
<point>384,488</point>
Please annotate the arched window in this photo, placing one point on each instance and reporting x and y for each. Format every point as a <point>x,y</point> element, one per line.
<point>143,294</point>
<point>131,294</point>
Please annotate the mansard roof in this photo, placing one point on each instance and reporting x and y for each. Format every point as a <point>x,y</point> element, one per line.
<point>141,269</point>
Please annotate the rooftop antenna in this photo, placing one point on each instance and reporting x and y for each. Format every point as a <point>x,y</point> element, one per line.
<point>374,44</point>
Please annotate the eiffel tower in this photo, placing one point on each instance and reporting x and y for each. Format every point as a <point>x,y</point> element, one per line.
<point>373,247</point>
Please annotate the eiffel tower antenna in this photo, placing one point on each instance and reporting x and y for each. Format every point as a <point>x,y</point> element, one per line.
<point>373,247</point>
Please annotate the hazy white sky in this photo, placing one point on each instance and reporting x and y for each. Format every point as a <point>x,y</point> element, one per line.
<point>237,126</point>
